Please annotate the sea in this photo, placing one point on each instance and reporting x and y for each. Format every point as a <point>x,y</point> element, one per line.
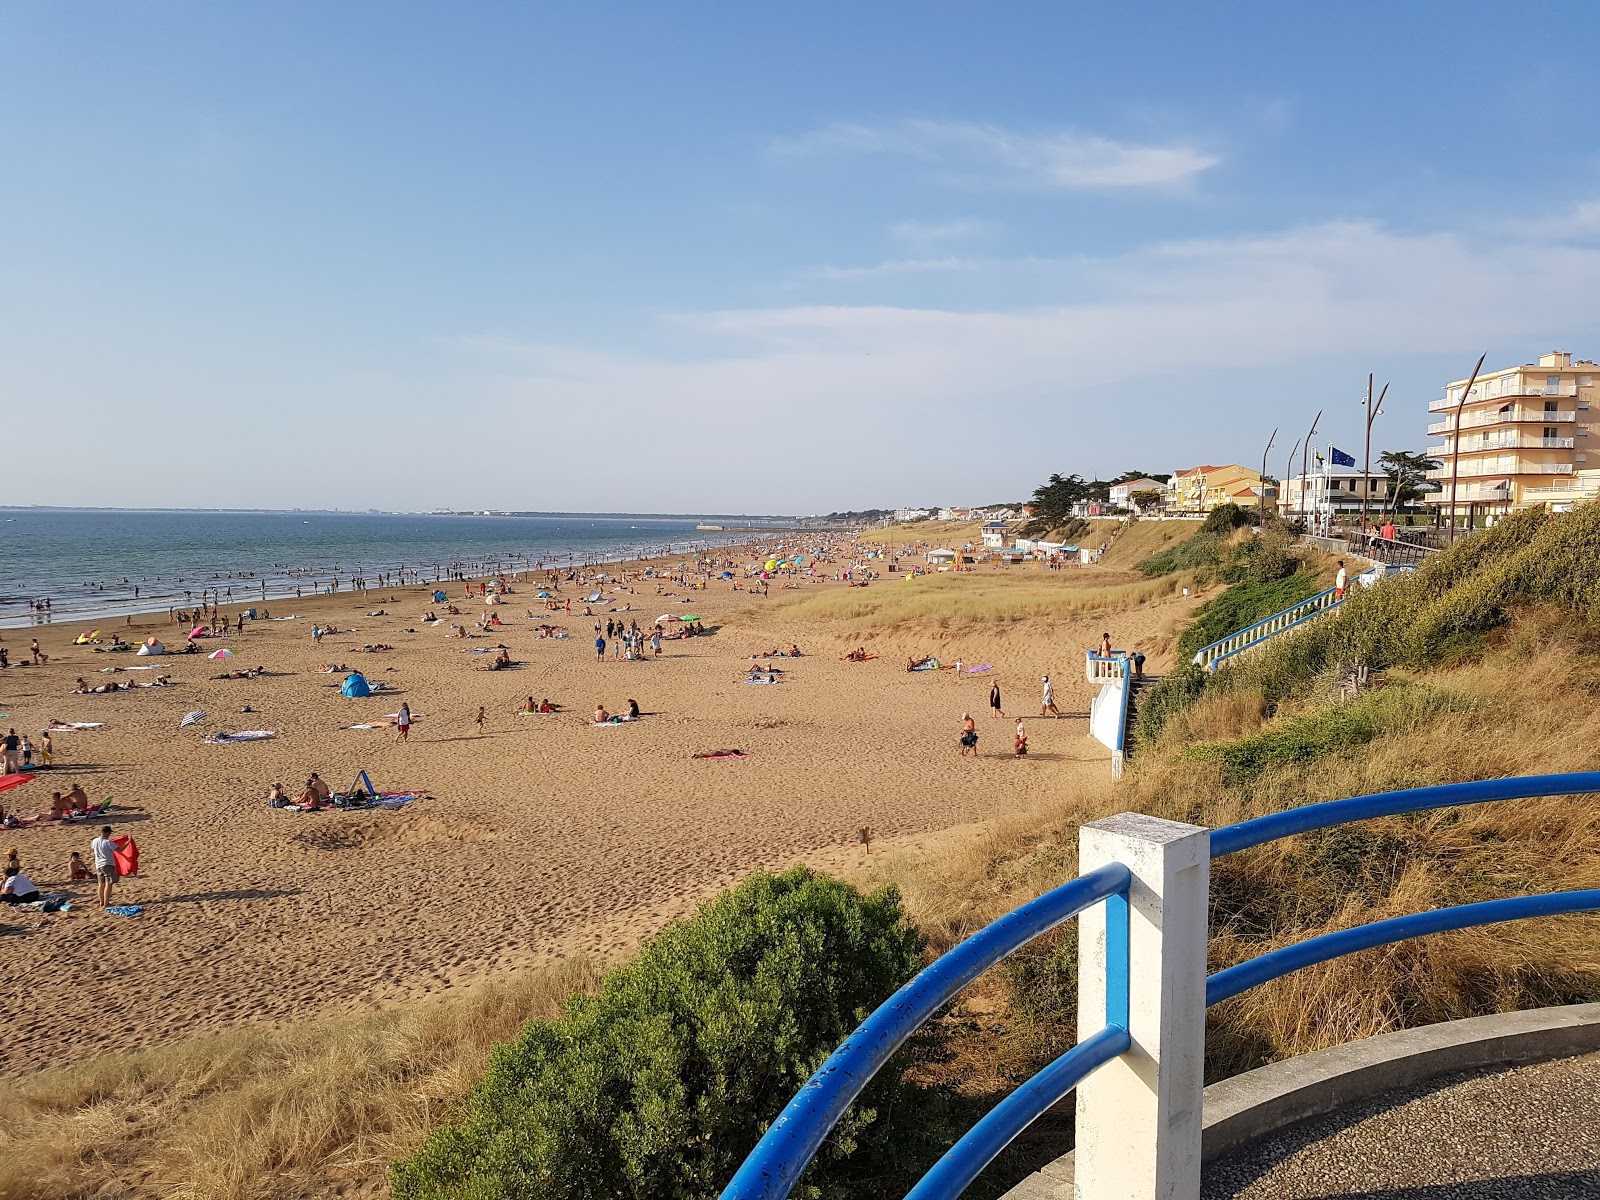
<point>99,563</point>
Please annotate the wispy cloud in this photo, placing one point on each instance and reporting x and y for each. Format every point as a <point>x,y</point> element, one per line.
<point>978,152</point>
<point>922,235</point>
<point>899,266</point>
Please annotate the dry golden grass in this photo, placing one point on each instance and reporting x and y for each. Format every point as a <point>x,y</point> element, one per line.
<point>314,1109</point>
<point>949,534</point>
<point>1025,602</point>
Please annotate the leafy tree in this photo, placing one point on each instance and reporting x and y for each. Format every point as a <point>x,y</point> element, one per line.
<point>1408,476</point>
<point>1126,476</point>
<point>1053,500</point>
<point>1145,500</point>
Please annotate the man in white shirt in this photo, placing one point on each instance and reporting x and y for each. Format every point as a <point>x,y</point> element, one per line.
<point>1339,581</point>
<point>105,864</point>
<point>18,888</point>
<point>1047,703</point>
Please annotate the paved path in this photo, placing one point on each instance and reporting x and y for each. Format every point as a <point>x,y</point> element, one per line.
<point>1531,1133</point>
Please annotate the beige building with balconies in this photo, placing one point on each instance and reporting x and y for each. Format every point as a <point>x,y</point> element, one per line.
<point>1526,436</point>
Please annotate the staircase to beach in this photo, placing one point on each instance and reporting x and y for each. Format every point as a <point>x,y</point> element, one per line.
<point>1212,656</point>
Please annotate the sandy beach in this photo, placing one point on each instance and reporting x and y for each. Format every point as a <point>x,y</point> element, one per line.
<point>544,836</point>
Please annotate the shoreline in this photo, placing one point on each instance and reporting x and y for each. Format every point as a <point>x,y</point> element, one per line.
<point>279,591</point>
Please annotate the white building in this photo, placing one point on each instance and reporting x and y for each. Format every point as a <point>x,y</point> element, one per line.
<point>1336,490</point>
<point>994,534</point>
<point>1122,493</point>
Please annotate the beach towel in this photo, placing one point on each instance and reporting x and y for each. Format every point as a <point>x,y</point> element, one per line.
<point>719,754</point>
<point>763,680</point>
<point>244,735</point>
<point>975,670</point>
<point>125,910</point>
<point>126,853</point>
<point>619,720</point>
<point>59,726</point>
<point>932,665</point>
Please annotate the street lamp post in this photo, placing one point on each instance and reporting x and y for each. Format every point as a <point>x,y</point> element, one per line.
<point>1305,453</point>
<point>1366,466</point>
<point>1455,446</point>
<point>1270,440</point>
<point>1288,471</point>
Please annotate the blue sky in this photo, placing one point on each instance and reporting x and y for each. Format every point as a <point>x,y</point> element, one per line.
<point>761,257</point>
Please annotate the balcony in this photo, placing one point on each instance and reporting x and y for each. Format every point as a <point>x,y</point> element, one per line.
<point>1446,403</point>
<point>1574,488</point>
<point>1470,470</point>
<point>1471,493</point>
<point>1513,441</point>
<point>1509,417</point>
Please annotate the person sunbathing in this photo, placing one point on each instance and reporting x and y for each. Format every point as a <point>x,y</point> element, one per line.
<point>77,798</point>
<point>913,663</point>
<point>60,807</point>
<point>794,651</point>
<point>308,800</point>
<point>546,707</point>
<point>277,797</point>
<point>601,716</point>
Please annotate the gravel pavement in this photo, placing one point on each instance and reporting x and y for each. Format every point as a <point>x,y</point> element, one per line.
<point>1531,1133</point>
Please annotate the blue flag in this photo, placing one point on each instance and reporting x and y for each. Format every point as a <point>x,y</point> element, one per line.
<point>1340,458</point>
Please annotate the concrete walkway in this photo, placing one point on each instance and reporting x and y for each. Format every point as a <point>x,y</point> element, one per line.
<point>1527,1133</point>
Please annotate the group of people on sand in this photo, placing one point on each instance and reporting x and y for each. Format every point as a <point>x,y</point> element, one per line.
<point>314,795</point>
<point>602,717</point>
<point>969,738</point>
<point>543,707</point>
<point>18,888</point>
<point>84,688</point>
<point>792,652</point>
<point>16,751</point>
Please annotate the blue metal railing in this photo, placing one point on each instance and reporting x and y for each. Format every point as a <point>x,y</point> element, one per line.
<point>788,1146</point>
<point>1214,654</point>
<point>1226,984</point>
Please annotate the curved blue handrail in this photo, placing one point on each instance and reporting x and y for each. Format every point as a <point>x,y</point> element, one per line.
<point>784,1150</point>
<point>1229,983</point>
<point>964,1161</point>
<point>1387,804</point>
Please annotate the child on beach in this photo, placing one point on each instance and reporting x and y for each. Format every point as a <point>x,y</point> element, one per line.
<point>483,718</point>
<point>47,750</point>
<point>75,867</point>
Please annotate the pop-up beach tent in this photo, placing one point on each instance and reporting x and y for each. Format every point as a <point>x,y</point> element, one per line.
<point>355,686</point>
<point>151,646</point>
<point>439,597</point>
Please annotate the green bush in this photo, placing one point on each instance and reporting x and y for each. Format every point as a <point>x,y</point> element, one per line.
<point>656,1087</point>
<point>1302,740</point>
<point>1202,549</point>
<point>1241,605</point>
<point>1225,518</point>
<point>1166,700</point>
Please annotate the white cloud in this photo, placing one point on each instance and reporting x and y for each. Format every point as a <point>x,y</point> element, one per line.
<point>923,235</point>
<point>899,266</point>
<point>977,152</point>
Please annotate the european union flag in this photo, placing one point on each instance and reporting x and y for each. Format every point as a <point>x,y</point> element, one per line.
<point>1340,458</point>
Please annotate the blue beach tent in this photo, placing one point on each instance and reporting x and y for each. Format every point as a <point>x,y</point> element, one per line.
<point>355,685</point>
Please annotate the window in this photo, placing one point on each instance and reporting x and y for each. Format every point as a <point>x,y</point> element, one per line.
<point>1552,431</point>
<point>1552,385</point>
<point>1550,406</point>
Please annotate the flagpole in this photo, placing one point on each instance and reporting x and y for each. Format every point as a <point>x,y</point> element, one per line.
<point>1366,466</point>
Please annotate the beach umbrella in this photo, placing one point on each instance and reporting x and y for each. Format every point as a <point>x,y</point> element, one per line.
<point>190,718</point>
<point>665,618</point>
<point>223,653</point>
<point>198,631</point>
<point>688,617</point>
<point>7,782</point>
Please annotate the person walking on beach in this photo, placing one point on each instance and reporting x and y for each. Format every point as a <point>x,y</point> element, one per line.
<point>969,735</point>
<point>994,700</point>
<point>1047,703</point>
<point>483,718</point>
<point>402,722</point>
<point>47,750</point>
<point>105,865</point>
<point>600,648</point>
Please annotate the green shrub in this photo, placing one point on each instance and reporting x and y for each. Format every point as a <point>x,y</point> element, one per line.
<point>1202,549</point>
<point>656,1087</point>
<point>1343,727</point>
<point>1241,605</point>
<point>1225,518</point>
<point>1166,700</point>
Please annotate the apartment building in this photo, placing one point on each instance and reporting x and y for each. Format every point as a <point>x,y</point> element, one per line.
<point>1195,491</point>
<point>1337,490</point>
<point>1523,435</point>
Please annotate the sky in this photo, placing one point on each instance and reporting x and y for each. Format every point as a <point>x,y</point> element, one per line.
<point>763,258</point>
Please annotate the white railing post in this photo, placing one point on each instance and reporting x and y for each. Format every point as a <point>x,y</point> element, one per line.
<point>1139,1116</point>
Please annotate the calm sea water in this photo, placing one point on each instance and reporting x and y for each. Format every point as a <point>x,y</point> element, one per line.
<point>90,562</point>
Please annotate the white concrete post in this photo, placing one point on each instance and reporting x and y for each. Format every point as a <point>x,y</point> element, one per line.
<point>1140,1116</point>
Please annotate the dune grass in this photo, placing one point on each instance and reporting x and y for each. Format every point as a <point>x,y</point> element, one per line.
<point>1020,601</point>
<point>319,1108</point>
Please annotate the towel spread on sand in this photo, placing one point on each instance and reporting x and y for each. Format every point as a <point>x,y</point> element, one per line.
<point>244,735</point>
<point>58,726</point>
